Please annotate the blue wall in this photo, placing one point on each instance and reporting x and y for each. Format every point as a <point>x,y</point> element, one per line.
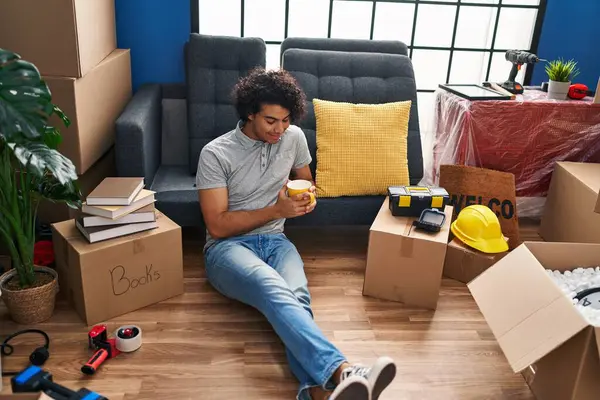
<point>571,30</point>
<point>155,31</point>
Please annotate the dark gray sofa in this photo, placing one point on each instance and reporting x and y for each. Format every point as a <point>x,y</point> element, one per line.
<point>152,141</point>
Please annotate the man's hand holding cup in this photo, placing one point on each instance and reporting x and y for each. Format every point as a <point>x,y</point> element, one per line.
<point>297,198</point>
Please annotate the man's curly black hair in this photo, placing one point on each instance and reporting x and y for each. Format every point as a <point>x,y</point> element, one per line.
<point>262,86</point>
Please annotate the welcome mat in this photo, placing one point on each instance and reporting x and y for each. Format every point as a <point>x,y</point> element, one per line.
<point>471,185</point>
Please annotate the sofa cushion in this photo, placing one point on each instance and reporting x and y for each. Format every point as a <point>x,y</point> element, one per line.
<point>345,210</point>
<point>340,44</point>
<point>214,64</point>
<point>368,78</point>
<point>361,148</point>
<point>177,196</point>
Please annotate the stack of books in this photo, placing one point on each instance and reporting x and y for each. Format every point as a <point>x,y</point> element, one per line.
<point>117,207</point>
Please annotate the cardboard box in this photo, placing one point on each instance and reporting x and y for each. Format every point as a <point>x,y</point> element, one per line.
<point>405,264</point>
<point>93,104</point>
<point>61,37</point>
<point>572,198</point>
<point>536,325</point>
<point>464,263</point>
<point>116,276</point>
<point>50,213</point>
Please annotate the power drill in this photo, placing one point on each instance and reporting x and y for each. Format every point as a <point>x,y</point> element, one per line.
<point>518,58</point>
<point>34,379</point>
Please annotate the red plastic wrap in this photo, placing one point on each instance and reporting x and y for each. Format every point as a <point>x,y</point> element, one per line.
<point>525,136</point>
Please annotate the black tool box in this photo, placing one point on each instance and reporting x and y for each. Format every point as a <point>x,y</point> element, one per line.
<point>410,201</point>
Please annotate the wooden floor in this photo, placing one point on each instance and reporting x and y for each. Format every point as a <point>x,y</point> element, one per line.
<point>202,346</point>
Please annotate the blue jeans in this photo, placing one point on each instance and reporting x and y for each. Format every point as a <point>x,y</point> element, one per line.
<point>267,273</point>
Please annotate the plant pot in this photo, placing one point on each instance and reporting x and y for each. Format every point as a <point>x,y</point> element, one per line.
<point>33,305</point>
<point>558,90</point>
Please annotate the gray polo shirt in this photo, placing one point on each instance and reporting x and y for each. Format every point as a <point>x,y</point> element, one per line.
<point>253,171</point>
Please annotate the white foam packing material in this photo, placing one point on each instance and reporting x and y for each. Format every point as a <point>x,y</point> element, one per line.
<point>573,282</point>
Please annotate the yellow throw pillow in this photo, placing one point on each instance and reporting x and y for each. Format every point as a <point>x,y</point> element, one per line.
<point>361,148</point>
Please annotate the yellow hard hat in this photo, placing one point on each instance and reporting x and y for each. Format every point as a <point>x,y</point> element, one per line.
<point>478,226</point>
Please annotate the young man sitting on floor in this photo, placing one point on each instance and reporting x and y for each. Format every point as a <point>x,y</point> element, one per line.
<point>241,182</point>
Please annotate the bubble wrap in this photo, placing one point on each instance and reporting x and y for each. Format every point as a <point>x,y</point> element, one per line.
<point>573,282</point>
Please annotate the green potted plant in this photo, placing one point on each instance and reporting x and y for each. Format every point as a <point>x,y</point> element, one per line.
<point>31,169</point>
<point>561,73</point>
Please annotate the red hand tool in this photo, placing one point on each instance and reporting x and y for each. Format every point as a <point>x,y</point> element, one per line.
<point>105,349</point>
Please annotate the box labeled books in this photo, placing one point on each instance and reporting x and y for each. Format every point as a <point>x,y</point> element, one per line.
<point>108,278</point>
<point>120,255</point>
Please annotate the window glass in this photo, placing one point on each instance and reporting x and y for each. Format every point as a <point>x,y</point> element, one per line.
<point>515,28</point>
<point>308,18</point>
<point>264,19</point>
<point>475,27</point>
<point>435,24</point>
<point>220,18</point>
<point>469,67</point>
<point>431,68</point>
<point>351,19</point>
<point>427,29</point>
<point>394,21</point>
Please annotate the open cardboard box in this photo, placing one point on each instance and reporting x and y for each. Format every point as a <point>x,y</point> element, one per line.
<point>536,325</point>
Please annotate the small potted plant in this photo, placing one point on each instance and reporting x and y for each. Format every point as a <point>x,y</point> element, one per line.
<point>561,73</point>
<point>31,169</point>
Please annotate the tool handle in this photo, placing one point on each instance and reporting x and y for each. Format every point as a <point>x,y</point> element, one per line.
<point>513,72</point>
<point>94,363</point>
<point>500,89</point>
<point>57,396</point>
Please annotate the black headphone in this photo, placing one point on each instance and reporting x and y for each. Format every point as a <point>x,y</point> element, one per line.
<point>39,355</point>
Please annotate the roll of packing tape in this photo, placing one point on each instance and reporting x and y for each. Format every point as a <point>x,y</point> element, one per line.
<point>128,338</point>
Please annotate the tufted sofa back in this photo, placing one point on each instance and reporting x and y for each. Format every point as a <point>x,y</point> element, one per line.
<point>348,45</point>
<point>356,77</point>
<point>214,65</point>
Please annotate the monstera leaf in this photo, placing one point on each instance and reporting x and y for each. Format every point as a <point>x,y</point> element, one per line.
<point>25,106</point>
<point>25,100</point>
<point>52,190</point>
<point>31,167</point>
<point>38,159</point>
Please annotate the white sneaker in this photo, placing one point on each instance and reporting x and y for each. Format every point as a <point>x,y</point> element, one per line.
<point>351,387</point>
<point>381,375</point>
<point>378,376</point>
